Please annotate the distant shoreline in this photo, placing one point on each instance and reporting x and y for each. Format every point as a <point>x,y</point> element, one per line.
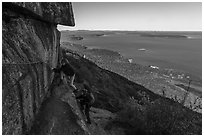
<point>131,60</point>
<point>107,52</point>
<point>99,52</point>
<point>174,83</point>
<point>163,36</point>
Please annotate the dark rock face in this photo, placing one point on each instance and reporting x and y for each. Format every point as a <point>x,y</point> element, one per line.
<point>53,12</point>
<point>30,47</point>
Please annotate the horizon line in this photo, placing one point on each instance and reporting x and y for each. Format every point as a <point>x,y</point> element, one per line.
<point>135,30</point>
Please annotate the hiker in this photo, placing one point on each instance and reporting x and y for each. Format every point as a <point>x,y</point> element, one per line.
<point>68,72</point>
<point>86,99</point>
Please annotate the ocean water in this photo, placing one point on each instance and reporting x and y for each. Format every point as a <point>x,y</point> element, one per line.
<point>183,54</point>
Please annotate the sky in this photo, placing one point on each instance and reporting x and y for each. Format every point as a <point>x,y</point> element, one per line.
<point>153,16</point>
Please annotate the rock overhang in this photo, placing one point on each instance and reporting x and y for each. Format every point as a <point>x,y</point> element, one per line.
<point>52,12</point>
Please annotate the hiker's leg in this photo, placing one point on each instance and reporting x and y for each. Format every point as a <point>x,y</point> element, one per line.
<point>72,82</point>
<point>87,109</point>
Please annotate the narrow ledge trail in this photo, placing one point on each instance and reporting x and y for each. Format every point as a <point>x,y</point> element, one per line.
<point>60,115</point>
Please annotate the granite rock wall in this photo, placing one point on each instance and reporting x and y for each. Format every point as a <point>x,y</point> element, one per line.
<point>30,48</point>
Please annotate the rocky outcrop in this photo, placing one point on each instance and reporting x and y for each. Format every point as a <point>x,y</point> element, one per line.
<point>60,115</point>
<point>52,12</point>
<point>30,48</point>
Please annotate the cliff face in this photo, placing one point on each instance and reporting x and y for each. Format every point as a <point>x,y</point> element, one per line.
<point>30,47</point>
<point>51,12</point>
